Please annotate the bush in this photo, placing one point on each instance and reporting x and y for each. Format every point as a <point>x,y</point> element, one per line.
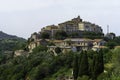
<point>83,78</point>
<point>60,35</point>
<point>58,50</point>
<point>45,35</point>
<point>39,49</point>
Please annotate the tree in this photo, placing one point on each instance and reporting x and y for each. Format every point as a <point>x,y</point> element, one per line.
<point>116,61</point>
<point>83,64</point>
<point>94,67</point>
<point>51,44</point>
<point>117,40</point>
<point>111,44</point>
<point>58,50</point>
<point>92,35</point>
<point>97,65</point>
<point>107,55</point>
<point>39,49</point>
<point>45,35</point>
<point>75,67</point>
<point>101,62</point>
<point>74,35</point>
<point>60,35</point>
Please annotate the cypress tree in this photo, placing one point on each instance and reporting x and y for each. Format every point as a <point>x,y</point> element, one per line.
<point>79,66</point>
<point>75,67</point>
<point>101,62</point>
<point>95,66</point>
<point>83,64</point>
<point>90,57</point>
<point>98,64</point>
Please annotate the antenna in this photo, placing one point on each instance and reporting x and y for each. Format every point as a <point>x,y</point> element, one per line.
<point>107,28</point>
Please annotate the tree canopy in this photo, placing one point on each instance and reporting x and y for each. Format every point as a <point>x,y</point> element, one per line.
<point>60,35</point>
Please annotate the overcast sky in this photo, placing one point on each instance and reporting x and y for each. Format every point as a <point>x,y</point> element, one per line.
<point>23,17</point>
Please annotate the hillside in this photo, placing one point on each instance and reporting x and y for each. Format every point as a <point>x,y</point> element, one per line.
<point>8,36</point>
<point>44,66</point>
<point>10,43</point>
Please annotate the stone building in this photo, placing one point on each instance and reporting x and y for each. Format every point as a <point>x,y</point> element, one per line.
<point>79,43</point>
<point>98,44</point>
<point>87,26</point>
<point>75,25</point>
<point>21,53</point>
<point>70,26</point>
<point>36,43</point>
<point>34,37</point>
<point>51,30</point>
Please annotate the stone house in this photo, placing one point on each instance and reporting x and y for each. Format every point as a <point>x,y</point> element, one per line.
<point>21,53</point>
<point>98,44</point>
<point>79,43</point>
<point>36,43</point>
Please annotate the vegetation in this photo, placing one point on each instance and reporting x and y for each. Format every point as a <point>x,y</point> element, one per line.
<point>60,35</point>
<point>75,67</point>
<point>92,35</point>
<point>91,66</point>
<point>39,48</point>
<point>58,50</point>
<point>73,35</point>
<point>12,44</point>
<point>111,43</point>
<point>41,65</point>
<point>85,34</point>
<point>37,66</point>
<point>112,67</point>
<point>45,35</point>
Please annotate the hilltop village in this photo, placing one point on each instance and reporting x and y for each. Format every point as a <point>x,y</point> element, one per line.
<point>73,35</point>
<point>72,50</point>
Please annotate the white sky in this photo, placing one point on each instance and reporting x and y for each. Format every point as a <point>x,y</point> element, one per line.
<point>23,17</point>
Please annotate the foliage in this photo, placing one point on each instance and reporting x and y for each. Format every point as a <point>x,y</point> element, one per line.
<point>58,50</point>
<point>83,78</point>
<point>111,44</point>
<point>107,55</point>
<point>11,44</point>
<point>60,35</point>
<point>116,61</point>
<point>117,40</point>
<point>75,67</point>
<point>45,35</point>
<point>91,65</point>
<point>73,35</point>
<point>39,49</point>
<point>112,68</point>
<point>83,64</point>
<point>44,66</point>
<point>35,67</point>
<point>51,44</point>
<point>92,35</point>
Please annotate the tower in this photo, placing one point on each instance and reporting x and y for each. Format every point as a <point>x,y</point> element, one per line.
<point>107,28</point>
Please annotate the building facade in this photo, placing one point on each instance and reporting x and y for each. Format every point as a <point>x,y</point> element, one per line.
<point>76,25</point>
<point>87,26</point>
